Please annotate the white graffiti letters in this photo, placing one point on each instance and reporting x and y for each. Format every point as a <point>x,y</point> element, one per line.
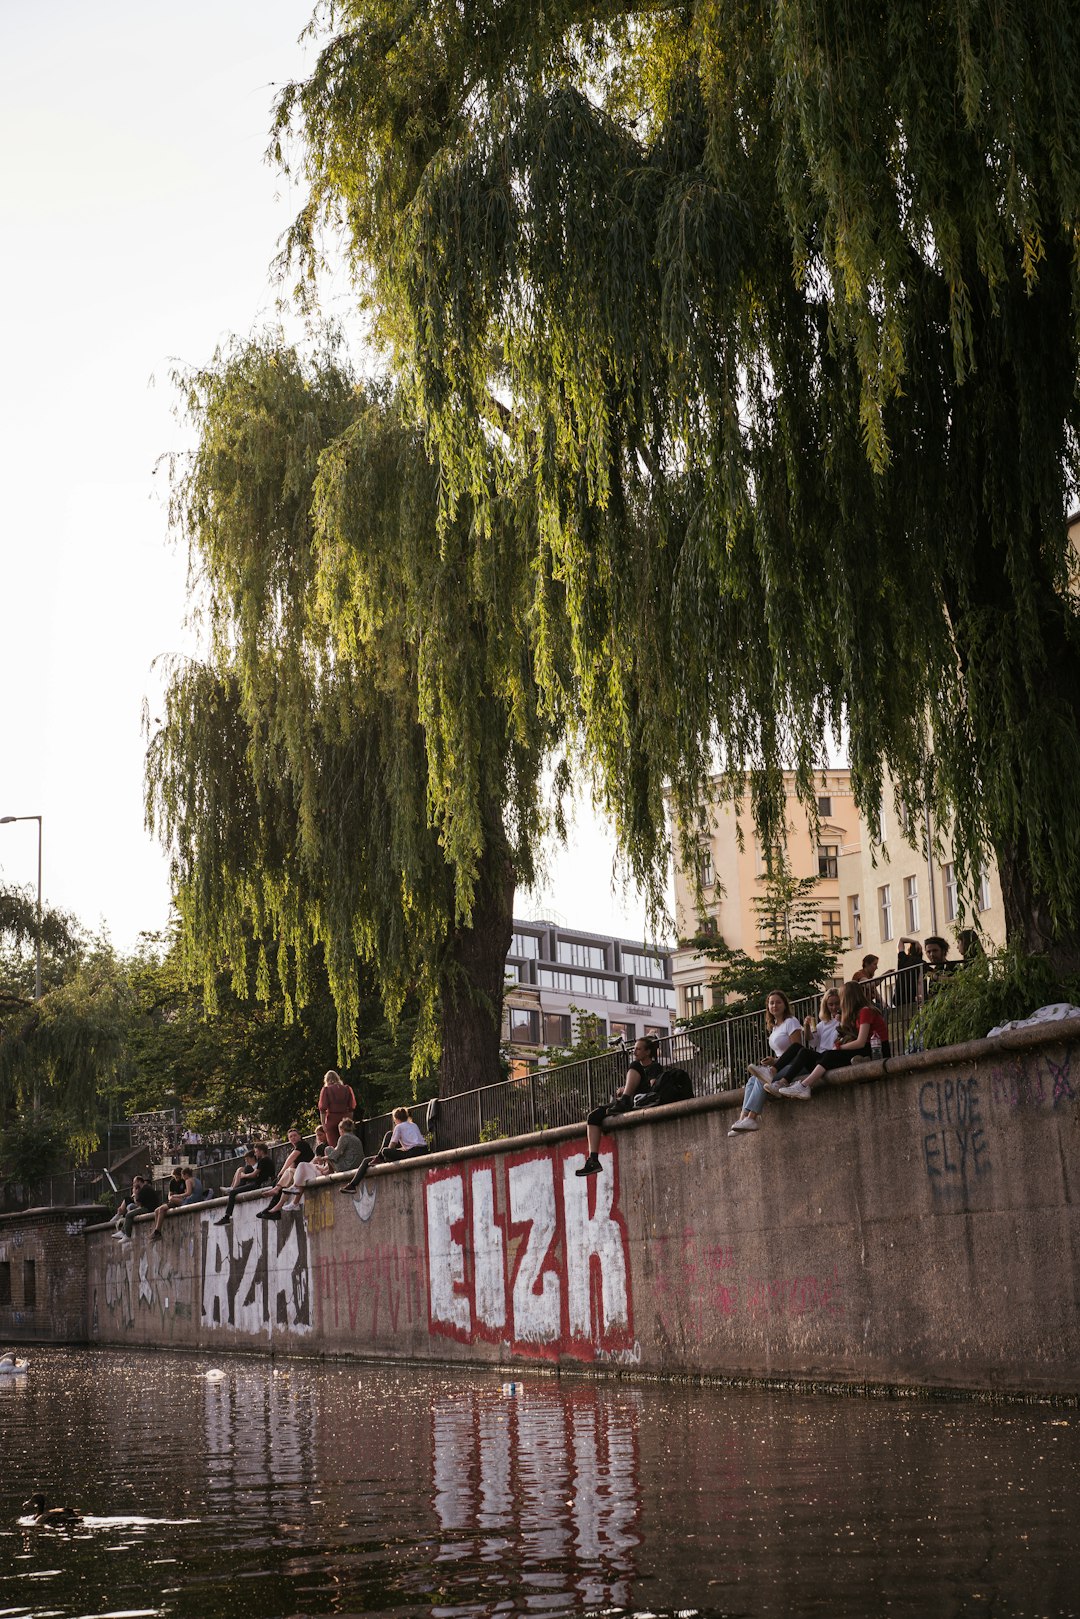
<point>522,1253</point>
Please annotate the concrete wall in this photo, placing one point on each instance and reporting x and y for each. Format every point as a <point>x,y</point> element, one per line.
<point>914,1227</point>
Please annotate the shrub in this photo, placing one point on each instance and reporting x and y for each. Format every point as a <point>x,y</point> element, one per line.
<point>990,990</point>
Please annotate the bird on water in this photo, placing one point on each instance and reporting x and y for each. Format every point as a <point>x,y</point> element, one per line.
<point>60,1517</point>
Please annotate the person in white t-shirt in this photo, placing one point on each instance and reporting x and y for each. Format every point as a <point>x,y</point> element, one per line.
<point>820,1036</point>
<point>407,1140</point>
<point>783,1030</point>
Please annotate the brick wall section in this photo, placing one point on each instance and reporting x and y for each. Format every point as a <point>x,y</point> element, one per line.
<point>916,1225</point>
<point>43,1275</point>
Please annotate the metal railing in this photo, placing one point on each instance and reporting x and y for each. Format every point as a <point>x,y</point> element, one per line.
<point>714,1054</point>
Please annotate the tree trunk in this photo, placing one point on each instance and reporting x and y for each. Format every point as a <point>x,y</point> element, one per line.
<point>1028,917</point>
<point>472,986</point>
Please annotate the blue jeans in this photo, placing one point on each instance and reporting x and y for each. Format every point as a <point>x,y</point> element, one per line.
<point>753,1097</point>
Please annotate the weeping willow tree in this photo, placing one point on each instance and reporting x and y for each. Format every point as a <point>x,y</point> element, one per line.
<point>776,308</point>
<point>354,766</point>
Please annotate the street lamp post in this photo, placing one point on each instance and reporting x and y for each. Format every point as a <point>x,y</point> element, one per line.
<point>6,820</point>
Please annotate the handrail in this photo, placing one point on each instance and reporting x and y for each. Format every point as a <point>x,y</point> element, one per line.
<point>715,1054</point>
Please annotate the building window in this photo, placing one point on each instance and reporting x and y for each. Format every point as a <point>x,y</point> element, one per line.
<point>881,826</point>
<point>705,866</point>
<point>591,1027</point>
<point>604,989</point>
<point>693,1000</point>
<point>856,919</point>
<point>642,966</point>
<point>984,890</point>
<point>905,823</point>
<point>581,955</point>
<point>557,1030</point>
<point>830,925</point>
<point>952,906</point>
<point>824,804</point>
<point>911,903</point>
<point>29,1287</point>
<point>707,927</point>
<point>656,995</point>
<point>525,944</point>
<point>657,1034</point>
<point>885,904</point>
<point>624,1031</point>
<point>524,1026</point>
<point>5,1281</point>
<point>826,859</point>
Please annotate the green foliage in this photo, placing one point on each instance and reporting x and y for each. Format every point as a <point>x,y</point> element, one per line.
<point>35,1146</point>
<point>775,312</point>
<point>355,767</point>
<point>588,1041</point>
<point>60,1056</point>
<point>990,990</point>
<point>252,1061</point>
<point>795,956</point>
<point>492,1130</point>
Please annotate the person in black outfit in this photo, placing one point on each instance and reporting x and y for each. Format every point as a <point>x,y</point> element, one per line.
<point>301,1154</point>
<point>145,1199</point>
<point>257,1173</point>
<point>640,1075</point>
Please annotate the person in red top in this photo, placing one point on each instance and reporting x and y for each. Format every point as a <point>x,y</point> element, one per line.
<point>861,1024</point>
<point>336,1102</point>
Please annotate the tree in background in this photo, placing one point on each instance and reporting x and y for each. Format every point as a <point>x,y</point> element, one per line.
<point>58,1055</point>
<point>251,1062</point>
<point>355,767</point>
<point>795,956</point>
<point>778,312</point>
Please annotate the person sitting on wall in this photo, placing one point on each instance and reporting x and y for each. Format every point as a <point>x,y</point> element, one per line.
<point>861,1025</point>
<point>176,1182</point>
<point>910,968</point>
<point>336,1102</point>
<point>144,1199</point>
<point>783,1030</point>
<point>320,1142</point>
<point>347,1156</point>
<point>303,1176</point>
<point>638,1082</point>
<point>407,1140</point>
<point>300,1153</point>
<point>194,1192</point>
<point>257,1172</point>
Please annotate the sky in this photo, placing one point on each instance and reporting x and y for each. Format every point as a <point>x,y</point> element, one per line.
<point>142,220</point>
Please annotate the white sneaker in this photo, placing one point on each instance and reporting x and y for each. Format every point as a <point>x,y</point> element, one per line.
<point>801,1092</point>
<point>760,1071</point>
<point>118,1236</point>
<point>773,1086</point>
<point>746,1123</point>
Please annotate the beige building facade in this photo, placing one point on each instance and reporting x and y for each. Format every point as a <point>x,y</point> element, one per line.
<point>873,885</point>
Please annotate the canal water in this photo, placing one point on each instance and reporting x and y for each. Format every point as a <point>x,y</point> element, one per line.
<point>283,1491</point>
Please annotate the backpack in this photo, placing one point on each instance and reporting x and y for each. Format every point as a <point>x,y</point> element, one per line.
<point>674,1085</point>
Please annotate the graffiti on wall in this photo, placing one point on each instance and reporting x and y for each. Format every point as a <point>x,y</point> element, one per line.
<point>381,1288</point>
<point>523,1253</point>
<point>698,1285</point>
<point>1040,1082</point>
<point>256,1274</point>
<point>955,1147</point>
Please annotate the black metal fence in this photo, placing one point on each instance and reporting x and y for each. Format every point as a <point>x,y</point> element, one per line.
<point>715,1055</point>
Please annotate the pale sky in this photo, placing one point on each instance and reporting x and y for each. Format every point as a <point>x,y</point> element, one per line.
<point>141,223</point>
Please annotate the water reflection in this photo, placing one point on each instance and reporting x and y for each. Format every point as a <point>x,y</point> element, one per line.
<point>548,1479</point>
<point>309,1489</point>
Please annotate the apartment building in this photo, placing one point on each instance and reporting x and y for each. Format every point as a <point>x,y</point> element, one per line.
<point>873,885</point>
<point>555,975</point>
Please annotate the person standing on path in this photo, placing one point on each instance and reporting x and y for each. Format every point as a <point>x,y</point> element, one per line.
<point>336,1102</point>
